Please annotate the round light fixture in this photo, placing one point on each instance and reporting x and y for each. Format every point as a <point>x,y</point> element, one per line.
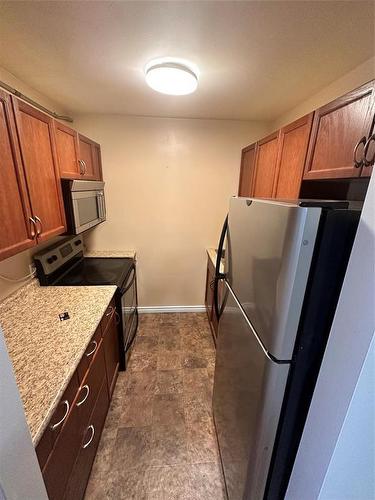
<point>169,77</point>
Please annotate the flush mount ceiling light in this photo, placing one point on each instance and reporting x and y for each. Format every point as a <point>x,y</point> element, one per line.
<point>171,77</point>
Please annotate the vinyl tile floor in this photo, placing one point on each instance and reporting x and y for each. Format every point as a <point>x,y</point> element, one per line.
<point>159,441</point>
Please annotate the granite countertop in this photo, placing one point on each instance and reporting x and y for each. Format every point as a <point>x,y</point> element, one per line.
<point>211,252</point>
<point>111,253</point>
<point>44,350</point>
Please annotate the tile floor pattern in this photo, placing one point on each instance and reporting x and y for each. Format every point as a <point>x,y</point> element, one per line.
<point>159,441</point>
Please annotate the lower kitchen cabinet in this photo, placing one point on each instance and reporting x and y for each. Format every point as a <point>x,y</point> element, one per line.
<point>112,352</point>
<point>90,438</point>
<point>67,449</point>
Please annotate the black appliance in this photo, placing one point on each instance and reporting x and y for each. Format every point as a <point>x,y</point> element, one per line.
<point>64,264</point>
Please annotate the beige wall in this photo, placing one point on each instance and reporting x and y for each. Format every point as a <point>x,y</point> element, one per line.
<point>168,182</point>
<point>355,78</point>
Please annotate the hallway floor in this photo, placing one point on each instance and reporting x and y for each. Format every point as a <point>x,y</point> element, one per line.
<point>159,440</point>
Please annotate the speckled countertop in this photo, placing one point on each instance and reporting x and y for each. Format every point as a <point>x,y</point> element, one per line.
<point>44,350</point>
<point>111,253</point>
<point>211,252</point>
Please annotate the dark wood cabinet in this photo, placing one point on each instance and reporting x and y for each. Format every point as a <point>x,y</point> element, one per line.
<point>247,171</point>
<point>293,142</point>
<point>265,166</point>
<point>336,135</point>
<point>38,151</point>
<point>88,446</point>
<point>17,232</point>
<point>112,352</point>
<point>66,451</point>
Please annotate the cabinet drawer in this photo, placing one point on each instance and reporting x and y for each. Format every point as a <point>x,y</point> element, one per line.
<point>91,385</point>
<point>108,314</point>
<point>57,421</point>
<point>89,354</point>
<point>89,444</point>
<point>60,463</point>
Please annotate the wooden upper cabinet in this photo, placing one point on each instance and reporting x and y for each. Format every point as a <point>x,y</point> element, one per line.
<point>16,231</point>
<point>37,144</point>
<point>78,156</point>
<point>89,154</point>
<point>294,139</point>
<point>67,151</point>
<point>265,166</point>
<point>245,187</point>
<point>337,129</point>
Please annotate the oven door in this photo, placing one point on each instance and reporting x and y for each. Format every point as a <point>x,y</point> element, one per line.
<point>88,209</point>
<point>129,309</point>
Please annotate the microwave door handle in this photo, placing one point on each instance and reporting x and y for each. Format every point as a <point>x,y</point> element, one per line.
<point>104,208</point>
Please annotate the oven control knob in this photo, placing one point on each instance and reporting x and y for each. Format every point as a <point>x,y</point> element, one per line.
<point>50,260</point>
<point>54,257</point>
<point>78,242</point>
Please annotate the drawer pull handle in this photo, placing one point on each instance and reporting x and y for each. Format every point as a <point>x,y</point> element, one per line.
<point>86,395</point>
<point>110,311</point>
<point>90,427</point>
<point>66,403</point>
<point>88,354</point>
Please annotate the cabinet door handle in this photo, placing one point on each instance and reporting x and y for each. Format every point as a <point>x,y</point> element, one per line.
<point>87,388</point>
<point>109,311</point>
<point>88,354</point>
<point>84,166</point>
<point>358,163</point>
<point>34,230</point>
<point>367,162</point>
<point>67,408</point>
<point>91,428</point>
<point>38,233</point>
<point>80,167</point>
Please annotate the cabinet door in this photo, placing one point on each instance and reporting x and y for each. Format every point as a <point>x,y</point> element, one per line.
<point>245,187</point>
<point>36,136</point>
<point>67,151</point>
<point>57,471</point>
<point>265,166</point>
<point>370,149</point>
<point>337,128</point>
<point>16,233</point>
<point>89,153</point>
<point>112,353</point>
<point>294,139</point>
<point>89,444</point>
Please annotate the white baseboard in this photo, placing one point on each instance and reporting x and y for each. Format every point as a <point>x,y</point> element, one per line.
<point>171,309</point>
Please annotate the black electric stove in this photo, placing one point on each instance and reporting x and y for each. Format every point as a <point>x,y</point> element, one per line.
<point>64,264</point>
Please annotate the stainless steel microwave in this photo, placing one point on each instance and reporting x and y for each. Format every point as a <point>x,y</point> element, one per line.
<point>84,204</point>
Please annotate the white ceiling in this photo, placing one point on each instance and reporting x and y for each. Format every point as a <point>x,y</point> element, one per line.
<point>256,59</point>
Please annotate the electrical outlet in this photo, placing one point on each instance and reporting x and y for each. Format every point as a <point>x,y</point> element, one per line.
<point>32,268</point>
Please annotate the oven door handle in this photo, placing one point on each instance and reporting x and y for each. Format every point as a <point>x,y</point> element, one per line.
<point>129,285</point>
<point>130,343</point>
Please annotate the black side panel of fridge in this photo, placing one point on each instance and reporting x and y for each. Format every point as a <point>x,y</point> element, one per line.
<point>332,251</point>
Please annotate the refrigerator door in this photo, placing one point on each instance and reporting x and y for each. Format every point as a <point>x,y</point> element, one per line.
<point>269,250</point>
<point>248,393</point>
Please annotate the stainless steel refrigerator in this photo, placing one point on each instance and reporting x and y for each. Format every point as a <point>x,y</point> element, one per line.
<point>284,267</point>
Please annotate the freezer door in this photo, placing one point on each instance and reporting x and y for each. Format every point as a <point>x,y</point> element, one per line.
<point>247,399</point>
<point>269,251</point>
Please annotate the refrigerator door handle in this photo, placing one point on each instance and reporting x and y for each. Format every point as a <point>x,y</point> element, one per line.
<point>262,346</point>
<point>218,274</point>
